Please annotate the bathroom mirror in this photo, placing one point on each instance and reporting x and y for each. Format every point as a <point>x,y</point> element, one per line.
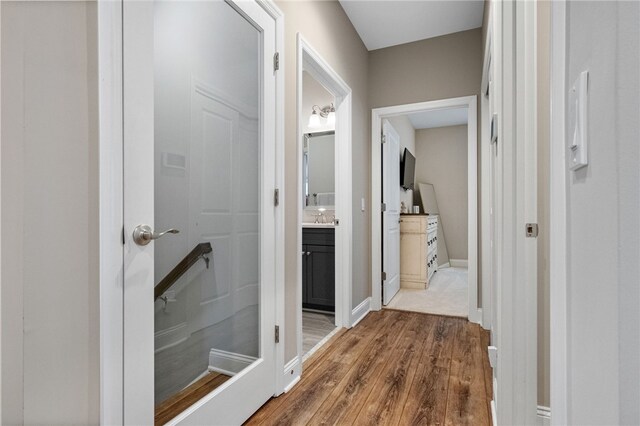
<point>318,170</point>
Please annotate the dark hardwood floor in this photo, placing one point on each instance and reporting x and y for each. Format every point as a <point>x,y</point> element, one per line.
<point>394,368</point>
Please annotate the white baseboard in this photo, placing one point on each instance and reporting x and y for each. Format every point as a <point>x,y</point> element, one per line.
<point>459,263</point>
<point>444,265</point>
<point>360,311</point>
<point>475,315</point>
<point>291,374</point>
<point>544,415</point>
<point>203,374</point>
<point>172,336</point>
<point>494,417</point>
<point>228,363</point>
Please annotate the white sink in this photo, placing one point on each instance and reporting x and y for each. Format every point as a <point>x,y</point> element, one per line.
<point>318,225</point>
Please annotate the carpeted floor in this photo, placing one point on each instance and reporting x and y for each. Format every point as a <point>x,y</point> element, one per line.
<point>446,295</point>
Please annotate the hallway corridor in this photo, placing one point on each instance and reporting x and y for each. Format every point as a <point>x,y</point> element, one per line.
<point>392,368</point>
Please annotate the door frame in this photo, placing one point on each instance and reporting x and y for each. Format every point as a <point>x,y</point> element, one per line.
<point>514,55</point>
<point>486,196</point>
<point>560,333</point>
<point>111,194</point>
<point>308,59</point>
<point>377,115</point>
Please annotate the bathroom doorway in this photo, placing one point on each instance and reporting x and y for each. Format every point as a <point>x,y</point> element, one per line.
<point>324,158</point>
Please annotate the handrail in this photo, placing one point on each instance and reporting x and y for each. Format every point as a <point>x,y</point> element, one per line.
<point>196,254</point>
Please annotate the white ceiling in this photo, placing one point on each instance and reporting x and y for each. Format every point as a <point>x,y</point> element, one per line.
<point>438,118</point>
<point>384,23</point>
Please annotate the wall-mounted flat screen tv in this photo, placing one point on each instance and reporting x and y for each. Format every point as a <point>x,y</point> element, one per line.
<point>407,170</point>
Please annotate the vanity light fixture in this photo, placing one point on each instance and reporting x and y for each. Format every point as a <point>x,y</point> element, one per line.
<point>314,120</point>
<point>328,112</point>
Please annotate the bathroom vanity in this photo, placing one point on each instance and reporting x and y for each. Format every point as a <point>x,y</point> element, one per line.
<point>318,267</point>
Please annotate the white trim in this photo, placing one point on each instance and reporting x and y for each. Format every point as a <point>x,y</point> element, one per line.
<point>527,163</point>
<point>377,114</point>
<point>516,289</point>
<point>494,416</point>
<point>544,415</point>
<point>444,265</point>
<point>111,211</point>
<point>558,221</point>
<point>170,337</point>
<point>485,191</point>
<point>459,263</point>
<point>199,86</point>
<point>278,16</point>
<point>309,60</point>
<point>228,363</point>
<point>359,312</point>
<point>0,224</point>
<point>200,376</point>
<point>291,373</point>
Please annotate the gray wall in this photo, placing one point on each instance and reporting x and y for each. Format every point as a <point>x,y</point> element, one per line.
<point>441,160</point>
<point>407,134</point>
<point>603,210</point>
<point>328,29</point>
<point>437,68</point>
<point>50,331</point>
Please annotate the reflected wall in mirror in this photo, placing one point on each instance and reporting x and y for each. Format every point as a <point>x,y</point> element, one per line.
<point>319,170</point>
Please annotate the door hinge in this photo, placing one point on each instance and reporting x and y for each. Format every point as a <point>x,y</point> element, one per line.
<point>384,138</point>
<point>277,334</point>
<point>276,61</point>
<point>531,230</point>
<point>383,207</point>
<point>276,197</point>
<point>384,276</point>
<point>123,242</point>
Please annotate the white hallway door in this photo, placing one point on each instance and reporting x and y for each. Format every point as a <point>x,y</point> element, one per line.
<point>391,214</point>
<point>199,156</point>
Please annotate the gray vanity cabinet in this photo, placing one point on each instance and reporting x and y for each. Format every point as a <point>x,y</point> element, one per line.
<point>318,269</point>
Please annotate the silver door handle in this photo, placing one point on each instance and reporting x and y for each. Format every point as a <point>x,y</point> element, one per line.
<point>143,234</point>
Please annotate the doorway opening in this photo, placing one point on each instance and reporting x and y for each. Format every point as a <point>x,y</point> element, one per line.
<point>324,228</point>
<point>424,214</point>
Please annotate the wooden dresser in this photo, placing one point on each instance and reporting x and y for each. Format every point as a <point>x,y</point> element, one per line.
<point>418,250</point>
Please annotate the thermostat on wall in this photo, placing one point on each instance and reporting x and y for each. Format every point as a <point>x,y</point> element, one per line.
<point>578,112</point>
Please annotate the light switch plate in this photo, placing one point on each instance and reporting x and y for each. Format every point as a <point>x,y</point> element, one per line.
<point>578,122</point>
